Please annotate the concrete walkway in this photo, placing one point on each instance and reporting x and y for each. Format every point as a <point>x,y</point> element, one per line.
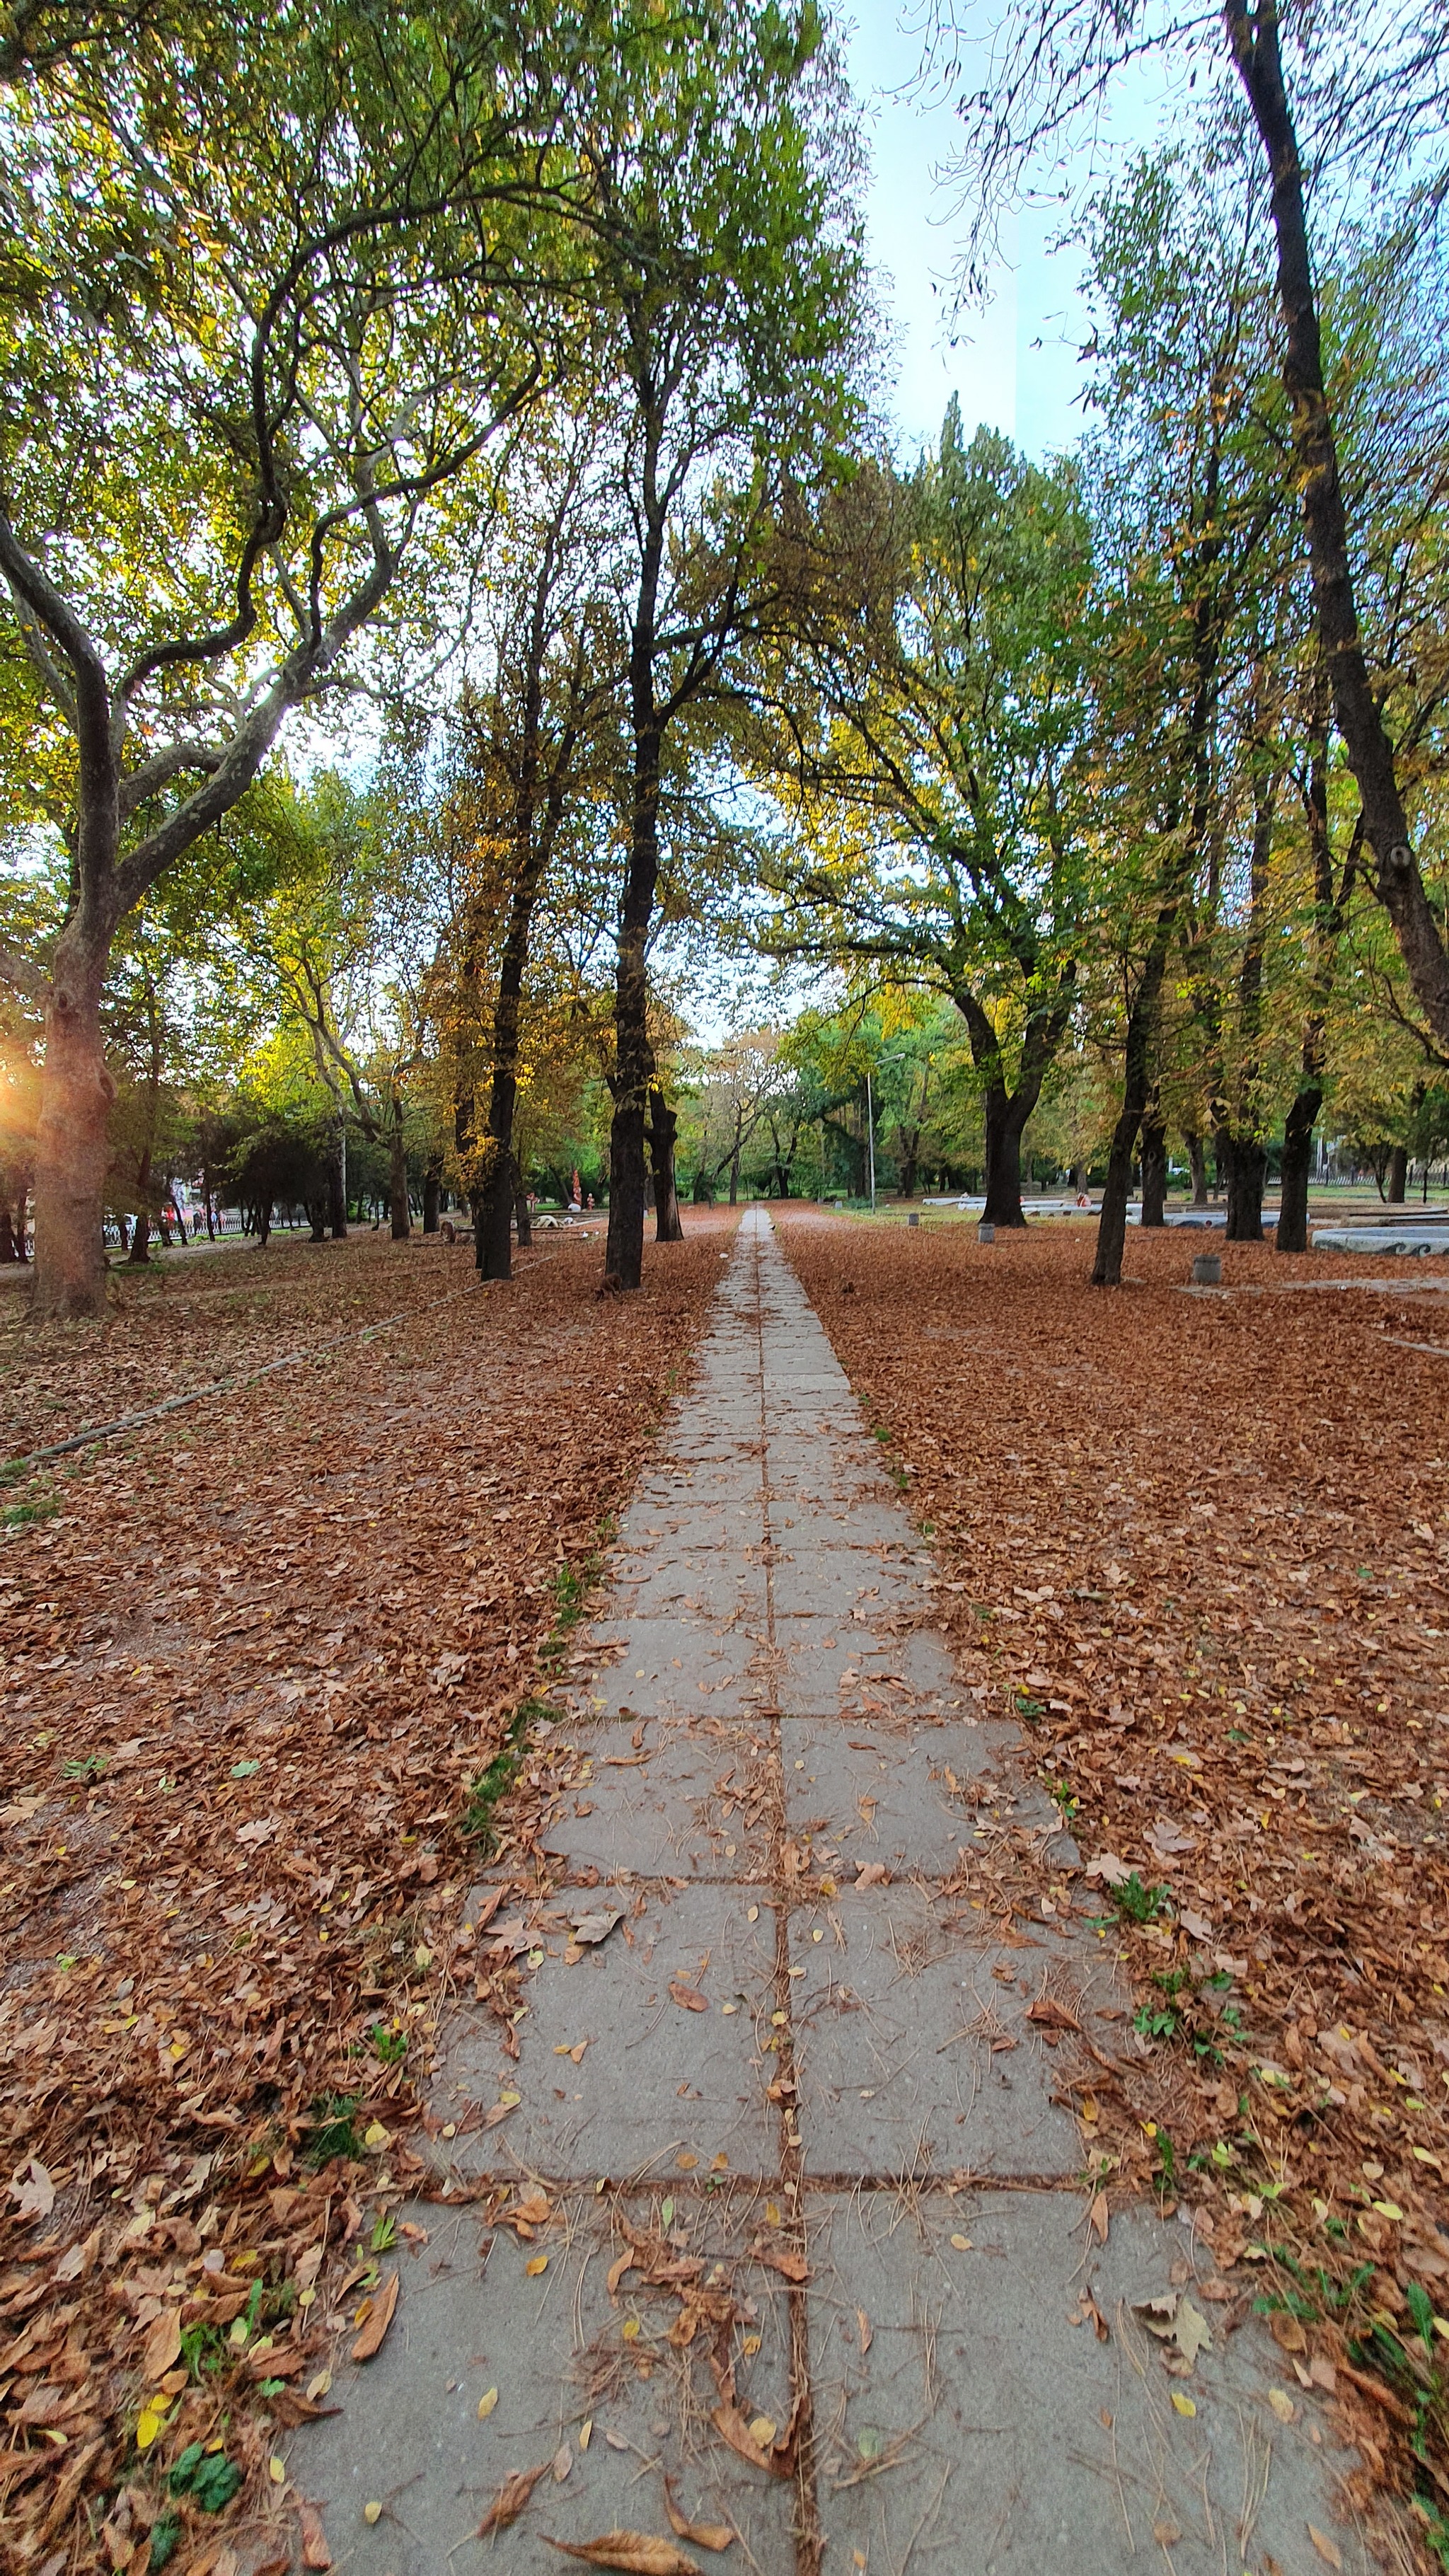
<point>792,2134</point>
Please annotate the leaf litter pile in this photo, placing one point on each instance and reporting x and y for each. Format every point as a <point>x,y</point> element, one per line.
<point>276,1669</point>
<point>1198,1548</point>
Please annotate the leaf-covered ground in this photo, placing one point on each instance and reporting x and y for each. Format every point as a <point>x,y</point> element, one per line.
<point>1199,1546</point>
<point>256,1657</point>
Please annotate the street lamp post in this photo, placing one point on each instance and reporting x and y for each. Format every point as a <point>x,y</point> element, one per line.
<point>870,1134</point>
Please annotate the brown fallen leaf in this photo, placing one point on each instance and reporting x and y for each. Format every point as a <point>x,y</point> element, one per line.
<point>1048,2014</point>
<point>498,2111</point>
<point>162,2348</point>
<point>638,2553</point>
<point>315,2552</point>
<point>512,2498</point>
<point>619,2267</point>
<point>705,2535</point>
<point>1286,2332</point>
<point>732,2428</point>
<point>864,2330</point>
<point>377,2316</point>
<point>1327,2549</point>
<point>873,1874</point>
<point>779,2259</point>
<point>689,1996</point>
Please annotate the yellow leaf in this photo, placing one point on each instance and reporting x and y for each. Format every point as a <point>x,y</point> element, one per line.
<point>1183,2404</point>
<point>962,2244</point>
<point>772,2213</point>
<point>763,2431</point>
<point>1282,2405</point>
<point>631,2329</point>
<point>536,2263</point>
<point>372,2512</point>
<point>277,2471</point>
<point>686,2163</point>
<point>318,2386</point>
<point>486,2404</point>
<point>750,2346</point>
<point>375,2135</point>
<point>585,2431</point>
<point>147,2428</point>
<point>1388,2209</point>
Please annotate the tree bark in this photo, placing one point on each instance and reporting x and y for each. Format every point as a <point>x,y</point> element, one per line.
<point>336,1184</point>
<point>1154,1167</point>
<point>1253,36</point>
<point>1297,1159</point>
<point>1247,1164</point>
<point>1197,1165</point>
<point>72,1146</point>
<point>397,1175</point>
<point>522,1219</point>
<point>1136,1089</point>
<point>1397,1182</point>
<point>432,1194</point>
<point>663,1132</point>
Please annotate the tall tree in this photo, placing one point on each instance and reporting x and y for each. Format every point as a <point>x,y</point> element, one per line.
<point>730,280</point>
<point>929,734</point>
<point>282,281</point>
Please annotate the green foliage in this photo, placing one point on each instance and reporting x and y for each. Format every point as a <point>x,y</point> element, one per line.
<point>332,2131</point>
<point>208,2477</point>
<point>165,2541</point>
<point>1137,1902</point>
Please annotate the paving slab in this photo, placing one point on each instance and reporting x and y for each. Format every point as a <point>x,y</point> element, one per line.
<point>987,2421</point>
<point>831,2123</point>
<point>913,2051</point>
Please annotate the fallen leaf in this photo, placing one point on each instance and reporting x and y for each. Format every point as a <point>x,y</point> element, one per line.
<point>1327,2549</point>
<point>315,2552</point>
<point>1282,2405</point>
<point>563,2460</point>
<point>33,2190</point>
<point>1183,2404</point>
<point>486,2404</point>
<point>512,2498</point>
<point>689,1996</point>
<point>1286,2332</point>
<point>379,2317</point>
<point>705,2535</point>
<point>638,2553</point>
<point>372,2512</point>
<point>1098,2217</point>
<point>162,2347</point>
<point>779,2259</point>
<point>731,2427</point>
<point>618,2268</point>
<point>873,1874</point>
<point>962,2244</point>
<point>863,2331</point>
<point>500,2109</point>
<point>1111,1871</point>
<point>1048,2014</point>
<point>597,1926</point>
<point>1165,2532</point>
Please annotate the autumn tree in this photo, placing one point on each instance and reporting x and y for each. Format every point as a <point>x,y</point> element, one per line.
<point>282,282</point>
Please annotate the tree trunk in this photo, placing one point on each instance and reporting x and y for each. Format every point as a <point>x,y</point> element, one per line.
<point>1197,1165</point>
<point>7,1235</point>
<point>397,1176</point>
<point>432,1193</point>
<point>523,1221</point>
<point>1297,1161</point>
<point>1247,1164</point>
<point>1141,1029</point>
<point>1398,1179</point>
<point>633,1059</point>
<point>1253,36</point>
<point>1154,1167</point>
<point>1005,1119</point>
<point>663,1130</point>
<point>72,1147</point>
<point>337,1183</point>
<point>317,1219</point>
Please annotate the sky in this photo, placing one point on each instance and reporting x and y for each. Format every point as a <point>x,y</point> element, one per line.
<point>1014,364</point>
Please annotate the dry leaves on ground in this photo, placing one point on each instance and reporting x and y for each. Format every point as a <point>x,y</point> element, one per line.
<point>254,1656</point>
<point>1199,1549</point>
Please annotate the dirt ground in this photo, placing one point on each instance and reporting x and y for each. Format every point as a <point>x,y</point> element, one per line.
<point>1199,1545</point>
<point>255,1657</point>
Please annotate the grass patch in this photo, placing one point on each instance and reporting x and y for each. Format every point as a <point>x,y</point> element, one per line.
<point>332,2131</point>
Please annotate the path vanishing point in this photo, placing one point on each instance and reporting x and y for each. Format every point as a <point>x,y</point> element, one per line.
<point>822,2273</point>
